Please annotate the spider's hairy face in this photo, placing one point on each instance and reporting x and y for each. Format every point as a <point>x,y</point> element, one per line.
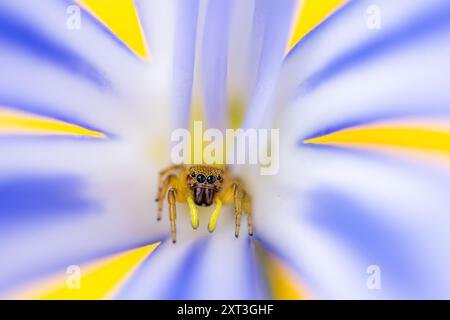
<point>205,182</point>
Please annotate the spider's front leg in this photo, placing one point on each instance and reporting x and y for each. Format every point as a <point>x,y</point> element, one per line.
<point>170,186</point>
<point>247,204</point>
<point>242,202</point>
<point>173,212</point>
<point>163,186</point>
<point>236,193</point>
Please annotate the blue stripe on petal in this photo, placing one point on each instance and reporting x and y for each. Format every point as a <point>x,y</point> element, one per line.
<point>400,70</point>
<point>215,57</point>
<point>419,167</point>
<point>376,209</point>
<point>18,32</point>
<point>425,24</point>
<point>184,58</point>
<point>33,197</point>
<point>257,287</point>
<point>154,278</point>
<point>271,29</point>
<point>376,242</point>
<point>183,282</point>
<point>214,267</point>
<point>228,269</point>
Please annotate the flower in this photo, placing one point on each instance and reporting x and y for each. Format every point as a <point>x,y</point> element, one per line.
<point>358,209</point>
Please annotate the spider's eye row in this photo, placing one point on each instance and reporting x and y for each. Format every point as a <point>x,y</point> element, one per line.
<point>193,174</point>
<point>211,179</point>
<point>201,178</point>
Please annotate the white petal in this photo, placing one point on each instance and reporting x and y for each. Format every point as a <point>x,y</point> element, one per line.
<point>47,22</point>
<point>271,24</point>
<point>239,75</point>
<point>217,266</point>
<point>84,76</point>
<point>344,73</point>
<point>69,201</point>
<point>338,212</point>
<point>184,59</point>
<point>214,62</point>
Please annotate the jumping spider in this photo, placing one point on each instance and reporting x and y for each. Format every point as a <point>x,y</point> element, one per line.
<point>201,185</point>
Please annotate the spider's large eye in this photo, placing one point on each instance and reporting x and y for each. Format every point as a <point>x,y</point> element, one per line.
<point>211,179</point>
<point>201,178</point>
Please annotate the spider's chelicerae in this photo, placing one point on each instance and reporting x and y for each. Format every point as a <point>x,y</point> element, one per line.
<point>202,185</point>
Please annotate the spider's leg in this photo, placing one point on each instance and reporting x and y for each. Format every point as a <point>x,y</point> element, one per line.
<point>247,204</point>
<point>173,212</point>
<point>234,192</point>
<point>168,181</point>
<point>171,185</point>
<point>161,179</point>
<point>238,207</point>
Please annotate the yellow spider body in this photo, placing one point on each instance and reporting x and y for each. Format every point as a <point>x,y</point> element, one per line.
<point>202,185</point>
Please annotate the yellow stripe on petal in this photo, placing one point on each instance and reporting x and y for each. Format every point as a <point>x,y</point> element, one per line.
<point>283,283</point>
<point>121,18</point>
<point>99,280</point>
<point>431,136</point>
<point>309,14</point>
<point>17,122</point>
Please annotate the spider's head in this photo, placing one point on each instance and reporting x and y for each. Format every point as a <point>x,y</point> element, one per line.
<point>204,182</point>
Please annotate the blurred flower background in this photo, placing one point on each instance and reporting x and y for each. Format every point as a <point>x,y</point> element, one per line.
<point>90,91</point>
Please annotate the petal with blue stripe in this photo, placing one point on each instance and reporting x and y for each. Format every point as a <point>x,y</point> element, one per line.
<point>215,62</point>
<point>369,75</point>
<point>271,24</point>
<point>219,267</point>
<point>79,76</point>
<point>184,60</point>
<point>342,211</point>
<point>64,202</point>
